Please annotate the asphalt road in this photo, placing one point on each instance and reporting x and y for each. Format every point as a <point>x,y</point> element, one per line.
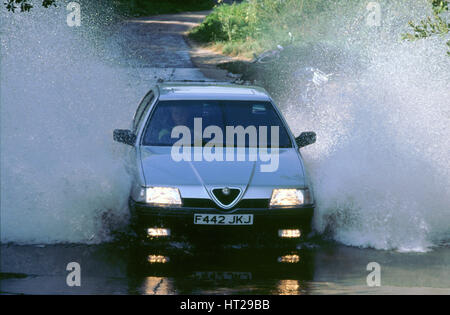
<point>155,47</point>
<point>187,269</point>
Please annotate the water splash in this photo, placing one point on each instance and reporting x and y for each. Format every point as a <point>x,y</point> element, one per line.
<point>381,168</point>
<point>61,173</point>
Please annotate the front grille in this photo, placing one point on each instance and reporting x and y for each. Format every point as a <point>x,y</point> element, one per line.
<point>209,204</point>
<point>226,198</point>
<point>253,203</point>
<point>198,203</point>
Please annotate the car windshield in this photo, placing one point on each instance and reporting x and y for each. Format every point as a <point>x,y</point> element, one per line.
<point>254,123</point>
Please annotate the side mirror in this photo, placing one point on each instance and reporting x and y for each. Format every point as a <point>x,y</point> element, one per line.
<point>306,138</point>
<point>124,136</point>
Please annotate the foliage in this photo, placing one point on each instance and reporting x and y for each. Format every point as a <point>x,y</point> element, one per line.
<point>430,26</point>
<point>26,5</point>
<point>128,7</point>
<point>256,25</point>
<point>242,26</point>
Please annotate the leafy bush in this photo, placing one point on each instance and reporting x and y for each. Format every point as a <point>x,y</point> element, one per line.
<point>437,25</point>
<point>25,5</point>
<point>226,22</point>
<point>255,25</point>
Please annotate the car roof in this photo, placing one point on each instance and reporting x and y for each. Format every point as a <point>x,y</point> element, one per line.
<point>210,91</point>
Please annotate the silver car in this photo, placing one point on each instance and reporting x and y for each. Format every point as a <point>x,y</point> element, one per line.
<point>211,159</point>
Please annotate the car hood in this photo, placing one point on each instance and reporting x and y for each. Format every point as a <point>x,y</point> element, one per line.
<point>160,169</point>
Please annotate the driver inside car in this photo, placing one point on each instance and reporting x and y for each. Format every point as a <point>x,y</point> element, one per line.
<point>174,116</point>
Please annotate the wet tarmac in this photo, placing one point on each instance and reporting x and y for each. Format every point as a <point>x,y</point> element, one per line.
<point>183,268</point>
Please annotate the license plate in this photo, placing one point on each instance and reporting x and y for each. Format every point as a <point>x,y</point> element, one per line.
<point>225,219</point>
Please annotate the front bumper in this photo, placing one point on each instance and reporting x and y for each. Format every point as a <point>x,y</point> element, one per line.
<point>266,222</point>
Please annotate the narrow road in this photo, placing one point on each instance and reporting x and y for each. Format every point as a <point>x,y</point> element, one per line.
<point>155,46</point>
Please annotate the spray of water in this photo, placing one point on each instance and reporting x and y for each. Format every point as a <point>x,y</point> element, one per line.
<point>61,174</point>
<point>381,167</point>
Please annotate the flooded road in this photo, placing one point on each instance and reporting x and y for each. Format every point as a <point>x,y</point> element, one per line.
<point>187,269</point>
<point>53,190</point>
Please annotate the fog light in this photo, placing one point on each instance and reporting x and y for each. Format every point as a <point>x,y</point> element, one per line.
<point>158,232</point>
<point>157,259</point>
<point>289,259</point>
<point>289,233</point>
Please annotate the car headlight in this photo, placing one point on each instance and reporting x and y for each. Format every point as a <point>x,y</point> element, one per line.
<point>290,198</point>
<point>158,196</point>
<point>163,196</point>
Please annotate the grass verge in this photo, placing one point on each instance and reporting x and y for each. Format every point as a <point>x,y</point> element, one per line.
<point>252,26</point>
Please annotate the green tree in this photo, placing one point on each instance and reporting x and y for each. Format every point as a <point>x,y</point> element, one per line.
<point>25,5</point>
<point>435,25</point>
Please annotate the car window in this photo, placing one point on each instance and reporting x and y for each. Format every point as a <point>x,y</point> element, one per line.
<point>170,114</point>
<point>141,110</point>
